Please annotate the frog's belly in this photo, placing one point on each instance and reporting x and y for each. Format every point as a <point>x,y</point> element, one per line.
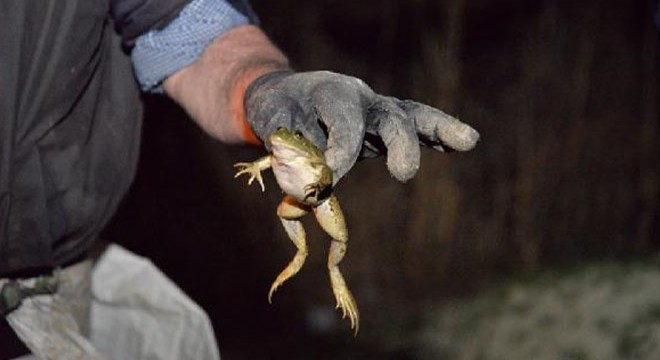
<point>293,176</point>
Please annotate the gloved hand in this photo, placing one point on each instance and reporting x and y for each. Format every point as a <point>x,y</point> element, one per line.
<point>346,119</point>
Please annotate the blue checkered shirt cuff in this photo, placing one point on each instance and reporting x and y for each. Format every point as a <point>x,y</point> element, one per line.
<point>160,53</point>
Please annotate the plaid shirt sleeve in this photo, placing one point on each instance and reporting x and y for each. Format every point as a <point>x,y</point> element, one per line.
<point>160,53</point>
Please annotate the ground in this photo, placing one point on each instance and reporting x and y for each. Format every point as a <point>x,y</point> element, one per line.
<point>601,311</point>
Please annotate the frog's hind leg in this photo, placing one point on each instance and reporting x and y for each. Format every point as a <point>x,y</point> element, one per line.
<point>289,212</point>
<point>331,219</point>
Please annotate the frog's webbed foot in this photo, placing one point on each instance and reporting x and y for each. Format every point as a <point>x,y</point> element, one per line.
<point>322,188</point>
<point>254,169</point>
<point>312,191</point>
<point>289,210</point>
<point>345,300</point>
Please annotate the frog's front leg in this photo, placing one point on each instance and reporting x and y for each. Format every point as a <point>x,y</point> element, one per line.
<point>254,169</point>
<point>331,218</point>
<point>289,212</point>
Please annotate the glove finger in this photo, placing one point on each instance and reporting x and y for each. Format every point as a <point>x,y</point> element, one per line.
<point>437,127</point>
<point>275,109</point>
<point>399,137</point>
<point>272,110</point>
<point>340,109</point>
<point>311,129</point>
<point>269,111</point>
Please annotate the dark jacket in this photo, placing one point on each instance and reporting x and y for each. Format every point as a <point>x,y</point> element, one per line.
<point>70,122</point>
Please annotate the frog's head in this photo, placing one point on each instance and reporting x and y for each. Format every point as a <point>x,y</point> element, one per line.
<point>285,143</point>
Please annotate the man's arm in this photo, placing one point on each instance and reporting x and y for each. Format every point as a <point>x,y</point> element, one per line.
<point>237,86</point>
<point>212,89</point>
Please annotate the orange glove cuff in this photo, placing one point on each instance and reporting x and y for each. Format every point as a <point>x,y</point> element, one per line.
<point>237,103</point>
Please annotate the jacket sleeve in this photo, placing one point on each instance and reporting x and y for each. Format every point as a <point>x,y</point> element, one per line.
<point>133,18</point>
<point>244,8</point>
<point>161,52</point>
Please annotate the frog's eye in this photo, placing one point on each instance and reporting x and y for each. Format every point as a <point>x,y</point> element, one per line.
<point>298,133</point>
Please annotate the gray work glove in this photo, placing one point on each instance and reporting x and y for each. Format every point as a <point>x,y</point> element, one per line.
<point>346,119</point>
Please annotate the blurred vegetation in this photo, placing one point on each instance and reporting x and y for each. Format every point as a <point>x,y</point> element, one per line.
<point>565,96</point>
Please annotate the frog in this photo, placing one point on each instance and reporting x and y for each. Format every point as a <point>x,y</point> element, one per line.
<point>302,173</point>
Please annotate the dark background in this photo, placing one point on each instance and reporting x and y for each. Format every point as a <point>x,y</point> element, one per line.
<point>565,96</point>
